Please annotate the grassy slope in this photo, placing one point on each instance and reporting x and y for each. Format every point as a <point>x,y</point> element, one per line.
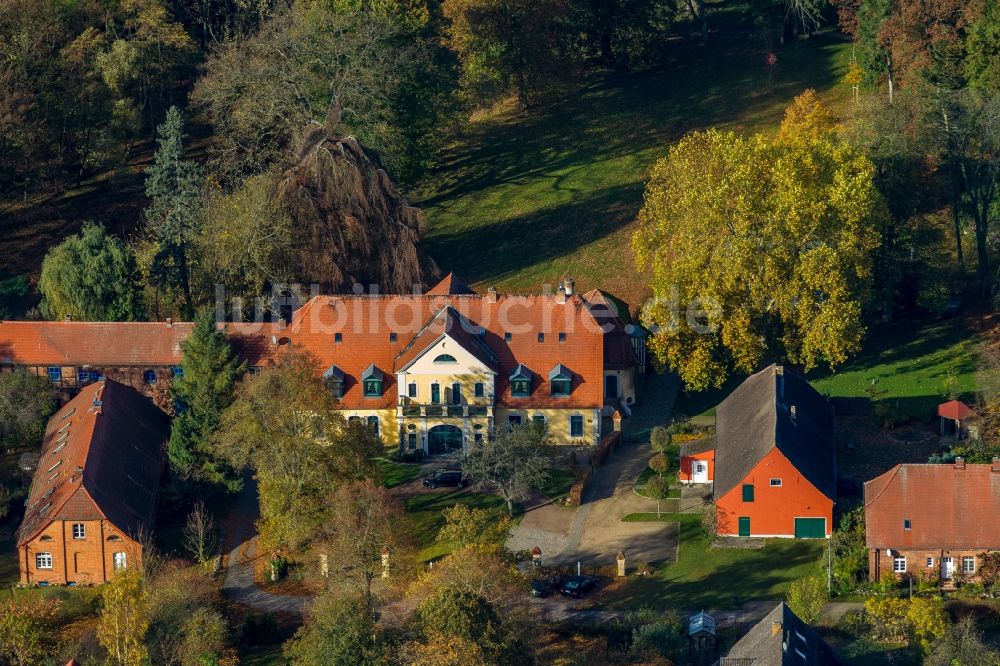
<point>705,577</point>
<point>424,511</point>
<point>524,198</point>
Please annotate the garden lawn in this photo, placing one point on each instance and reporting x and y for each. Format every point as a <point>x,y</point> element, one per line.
<point>396,473</point>
<point>916,364</point>
<point>708,578</point>
<point>523,198</point>
<point>556,486</point>
<point>424,511</point>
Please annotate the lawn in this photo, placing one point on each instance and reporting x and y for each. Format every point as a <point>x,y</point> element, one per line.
<point>709,578</point>
<point>522,198</point>
<point>556,486</point>
<point>916,362</point>
<point>396,473</point>
<point>425,509</point>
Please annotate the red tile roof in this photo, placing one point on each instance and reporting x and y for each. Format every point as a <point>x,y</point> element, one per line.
<point>450,285</point>
<point>102,456</point>
<point>956,410</point>
<point>947,506</point>
<point>98,344</point>
<point>447,322</point>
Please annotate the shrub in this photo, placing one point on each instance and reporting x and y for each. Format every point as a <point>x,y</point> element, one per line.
<point>926,622</point>
<point>887,618</point>
<point>659,438</point>
<point>807,597</point>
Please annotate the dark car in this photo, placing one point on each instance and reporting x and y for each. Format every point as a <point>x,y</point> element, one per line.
<point>543,587</point>
<point>446,477</point>
<point>578,586</point>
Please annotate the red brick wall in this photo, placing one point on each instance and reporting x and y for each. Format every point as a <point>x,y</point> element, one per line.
<point>774,509</point>
<point>880,562</point>
<point>85,561</point>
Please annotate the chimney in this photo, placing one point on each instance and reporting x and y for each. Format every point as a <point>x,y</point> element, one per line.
<point>561,295</point>
<point>960,462</point>
<point>569,284</point>
<point>995,467</point>
<point>776,628</point>
<point>491,295</point>
<point>170,322</point>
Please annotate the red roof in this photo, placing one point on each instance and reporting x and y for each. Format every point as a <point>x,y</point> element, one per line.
<point>956,410</point>
<point>947,506</point>
<point>98,344</point>
<point>101,458</point>
<point>450,285</point>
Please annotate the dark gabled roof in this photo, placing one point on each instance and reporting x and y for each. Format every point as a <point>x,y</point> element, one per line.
<point>334,373</point>
<point>697,446</point>
<point>560,372</point>
<point>105,448</point>
<point>775,409</point>
<point>964,513</point>
<point>450,322</point>
<point>781,639</point>
<point>372,372</point>
<point>521,372</point>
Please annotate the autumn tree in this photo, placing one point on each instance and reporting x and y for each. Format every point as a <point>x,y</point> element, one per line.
<point>27,630</point>
<point>26,402</point>
<point>243,241</point>
<point>339,630</point>
<point>758,249</point>
<point>284,424</point>
<point>507,47</point>
<point>807,597</point>
<point>962,644</point>
<point>657,488</point>
<point>466,616</point>
<point>90,276</point>
<point>927,621</point>
<point>205,387</point>
<point>465,526</point>
<point>511,461</point>
<point>184,628</point>
<point>124,618</point>
<point>364,521</point>
<point>391,91</point>
<point>200,538</point>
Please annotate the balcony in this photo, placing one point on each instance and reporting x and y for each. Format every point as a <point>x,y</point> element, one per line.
<point>411,409</point>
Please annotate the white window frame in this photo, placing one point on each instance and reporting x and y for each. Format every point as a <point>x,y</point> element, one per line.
<point>776,485</point>
<point>896,562</point>
<point>43,561</point>
<point>119,560</point>
<point>965,559</point>
<point>930,562</point>
<point>79,531</point>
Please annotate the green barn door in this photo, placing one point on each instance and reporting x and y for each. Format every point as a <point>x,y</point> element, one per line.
<point>744,527</point>
<point>810,528</point>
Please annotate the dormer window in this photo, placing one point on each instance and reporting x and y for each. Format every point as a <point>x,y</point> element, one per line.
<point>334,380</point>
<point>338,337</point>
<point>561,381</point>
<point>520,382</point>
<point>445,359</point>
<point>393,337</point>
<point>371,378</point>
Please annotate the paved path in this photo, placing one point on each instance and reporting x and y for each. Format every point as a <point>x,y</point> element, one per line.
<point>594,533</point>
<point>241,539</point>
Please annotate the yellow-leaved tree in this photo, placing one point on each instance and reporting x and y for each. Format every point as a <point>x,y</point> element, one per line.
<point>125,618</point>
<point>758,248</point>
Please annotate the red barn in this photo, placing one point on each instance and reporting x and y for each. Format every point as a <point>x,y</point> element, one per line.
<point>775,461</point>
<point>697,461</point>
<point>95,488</point>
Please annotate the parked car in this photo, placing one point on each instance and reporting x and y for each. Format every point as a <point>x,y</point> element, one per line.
<point>543,587</point>
<point>578,586</point>
<point>446,477</point>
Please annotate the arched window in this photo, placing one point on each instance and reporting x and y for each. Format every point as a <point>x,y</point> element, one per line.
<point>445,358</point>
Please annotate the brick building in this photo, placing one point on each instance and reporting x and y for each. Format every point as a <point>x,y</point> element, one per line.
<point>932,521</point>
<point>775,461</point>
<point>95,487</point>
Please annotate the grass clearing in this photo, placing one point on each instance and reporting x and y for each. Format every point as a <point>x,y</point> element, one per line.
<point>425,509</point>
<point>396,473</point>
<point>523,198</point>
<point>709,578</point>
